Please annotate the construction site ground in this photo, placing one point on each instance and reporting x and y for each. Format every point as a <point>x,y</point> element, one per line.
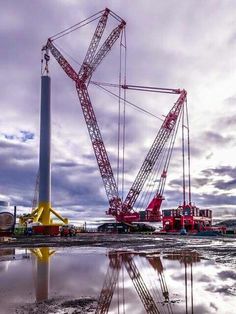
<point>220,250</point>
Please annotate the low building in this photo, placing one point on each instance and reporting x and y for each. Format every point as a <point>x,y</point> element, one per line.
<point>113,227</point>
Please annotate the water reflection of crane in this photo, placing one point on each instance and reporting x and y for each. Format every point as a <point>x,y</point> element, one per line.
<point>188,258</point>
<point>117,260</point>
<point>156,263</point>
<point>43,272</point>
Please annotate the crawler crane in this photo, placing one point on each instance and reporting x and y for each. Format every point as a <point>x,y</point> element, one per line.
<point>122,211</point>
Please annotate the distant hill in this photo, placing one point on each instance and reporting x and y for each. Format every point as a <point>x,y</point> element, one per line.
<point>227,223</point>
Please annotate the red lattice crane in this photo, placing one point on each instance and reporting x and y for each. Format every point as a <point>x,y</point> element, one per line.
<point>121,211</point>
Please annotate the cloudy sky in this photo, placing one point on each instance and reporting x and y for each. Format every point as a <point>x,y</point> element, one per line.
<point>177,44</point>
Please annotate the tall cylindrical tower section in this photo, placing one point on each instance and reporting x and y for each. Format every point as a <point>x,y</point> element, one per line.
<point>45,147</point>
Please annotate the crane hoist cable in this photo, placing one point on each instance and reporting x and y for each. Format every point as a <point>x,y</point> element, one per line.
<point>183,161</point>
<point>124,113</point>
<point>102,85</point>
<point>150,188</point>
<point>119,115</point>
<point>121,136</point>
<point>186,164</point>
<point>189,163</point>
<point>128,102</point>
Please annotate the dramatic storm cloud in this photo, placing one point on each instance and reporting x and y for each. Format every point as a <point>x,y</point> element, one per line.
<point>176,44</point>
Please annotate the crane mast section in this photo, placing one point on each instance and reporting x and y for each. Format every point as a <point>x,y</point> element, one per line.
<point>162,137</point>
<point>93,45</point>
<point>98,146</point>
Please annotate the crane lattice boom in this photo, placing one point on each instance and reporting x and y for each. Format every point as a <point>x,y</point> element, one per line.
<point>83,72</point>
<point>89,65</point>
<point>161,139</point>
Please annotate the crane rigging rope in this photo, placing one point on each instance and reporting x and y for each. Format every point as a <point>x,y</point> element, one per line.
<point>75,27</point>
<point>102,85</point>
<point>83,23</point>
<point>128,102</point>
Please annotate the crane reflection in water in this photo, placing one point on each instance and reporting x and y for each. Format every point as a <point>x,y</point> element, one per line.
<point>117,281</point>
<point>132,279</point>
<point>144,281</point>
<point>152,300</point>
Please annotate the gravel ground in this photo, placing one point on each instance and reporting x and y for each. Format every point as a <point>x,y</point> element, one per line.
<point>60,306</point>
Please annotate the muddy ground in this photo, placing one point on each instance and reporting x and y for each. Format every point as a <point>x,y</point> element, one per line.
<point>218,249</point>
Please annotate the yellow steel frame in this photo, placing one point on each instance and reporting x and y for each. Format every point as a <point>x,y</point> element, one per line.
<point>42,214</point>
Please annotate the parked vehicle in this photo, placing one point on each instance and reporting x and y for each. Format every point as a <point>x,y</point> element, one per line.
<point>67,231</point>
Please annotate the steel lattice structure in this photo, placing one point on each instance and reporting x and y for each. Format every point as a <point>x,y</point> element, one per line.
<point>122,211</point>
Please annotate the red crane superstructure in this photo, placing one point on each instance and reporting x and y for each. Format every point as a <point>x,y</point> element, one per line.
<point>122,211</point>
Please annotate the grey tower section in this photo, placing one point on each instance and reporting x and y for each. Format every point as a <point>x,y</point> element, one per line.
<point>45,142</point>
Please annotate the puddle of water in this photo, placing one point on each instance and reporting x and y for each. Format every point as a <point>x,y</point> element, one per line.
<point>76,280</point>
